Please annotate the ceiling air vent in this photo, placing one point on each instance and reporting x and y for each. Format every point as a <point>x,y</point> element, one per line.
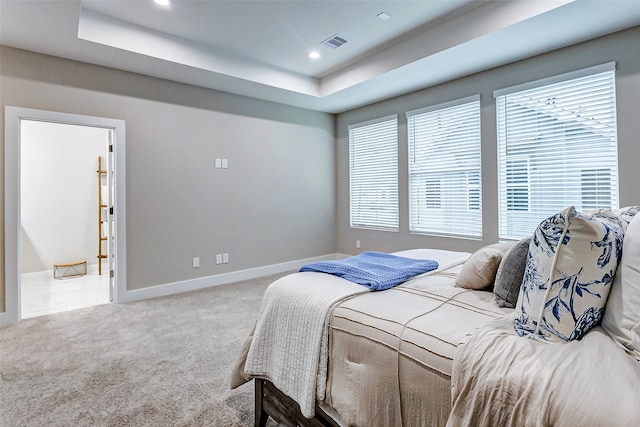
<point>334,41</point>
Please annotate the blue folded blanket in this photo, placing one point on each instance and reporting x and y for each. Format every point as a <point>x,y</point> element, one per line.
<point>375,270</point>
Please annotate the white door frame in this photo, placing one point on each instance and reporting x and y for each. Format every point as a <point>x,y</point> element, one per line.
<point>12,222</point>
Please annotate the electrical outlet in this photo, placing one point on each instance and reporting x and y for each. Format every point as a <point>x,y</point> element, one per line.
<point>219,259</point>
<point>357,244</point>
<point>196,262</point>
<point>225,258</point>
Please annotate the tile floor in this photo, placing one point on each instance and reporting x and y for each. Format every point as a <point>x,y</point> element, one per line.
<point>42,294</point>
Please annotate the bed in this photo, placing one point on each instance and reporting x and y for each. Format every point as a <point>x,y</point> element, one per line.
<point>544,331</point>
<point>383,358</point>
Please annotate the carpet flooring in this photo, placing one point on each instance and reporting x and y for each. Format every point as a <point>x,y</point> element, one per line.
<point>159,362</point>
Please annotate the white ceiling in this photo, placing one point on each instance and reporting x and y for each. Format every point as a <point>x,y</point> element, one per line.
<point>260,48</point>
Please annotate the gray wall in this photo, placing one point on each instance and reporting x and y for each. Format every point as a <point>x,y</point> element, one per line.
<point>275,203</point>
<point>623,48</point>
<point>286,179</point>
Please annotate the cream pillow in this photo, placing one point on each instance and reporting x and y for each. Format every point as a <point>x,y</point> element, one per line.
<point>622,314</point>
<point>479,271</point>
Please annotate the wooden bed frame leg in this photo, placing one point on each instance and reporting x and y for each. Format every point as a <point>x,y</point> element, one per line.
<point>260,415</point>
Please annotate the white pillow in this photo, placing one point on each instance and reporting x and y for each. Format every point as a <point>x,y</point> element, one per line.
<point>570,267</point>
<point>622,315</point>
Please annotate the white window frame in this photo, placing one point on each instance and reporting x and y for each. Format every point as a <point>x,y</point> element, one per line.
<point>456,215</point>
<point>373,174</point>
<point>562,125</point>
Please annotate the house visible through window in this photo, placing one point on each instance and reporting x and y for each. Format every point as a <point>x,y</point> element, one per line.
<point>445,191</point>
<point>557,147</point>
<point>596,188</point>
<point>373,174</point>
<point>473,191</point>
<point>517,177</point>
<point>432,193</point>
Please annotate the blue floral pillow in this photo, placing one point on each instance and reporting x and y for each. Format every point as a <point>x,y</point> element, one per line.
<point>570,267</point>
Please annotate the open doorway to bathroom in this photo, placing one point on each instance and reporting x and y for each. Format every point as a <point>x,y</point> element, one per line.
<point>115,265</point>
<point>65,230</point>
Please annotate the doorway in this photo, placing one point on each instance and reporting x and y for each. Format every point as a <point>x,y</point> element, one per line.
<point>65,226</point>
<point>34,243</point>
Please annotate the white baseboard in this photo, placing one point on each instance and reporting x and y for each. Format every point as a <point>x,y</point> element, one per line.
<point>221,279</point>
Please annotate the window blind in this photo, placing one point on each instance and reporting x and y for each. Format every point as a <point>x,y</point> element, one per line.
<point>445,185</point>
<point>373,174</point>
<point>557,146</point>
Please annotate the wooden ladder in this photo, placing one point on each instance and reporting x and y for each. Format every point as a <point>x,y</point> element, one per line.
<point>101,206</point>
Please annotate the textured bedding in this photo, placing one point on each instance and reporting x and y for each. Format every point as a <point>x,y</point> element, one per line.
<point>289,345</point>
<point>500,378</point>
<point>290,337</point>
<point>390,358</point>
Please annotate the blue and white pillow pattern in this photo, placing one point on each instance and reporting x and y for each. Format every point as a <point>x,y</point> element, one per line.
<point>626,214</point>
<point>570,267</point>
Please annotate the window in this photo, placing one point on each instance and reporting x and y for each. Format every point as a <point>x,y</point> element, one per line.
<point>445,195</point>
<point>557,147</point>
<point>373,174</point>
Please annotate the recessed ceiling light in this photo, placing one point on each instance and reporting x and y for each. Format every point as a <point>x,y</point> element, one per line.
<point>314,55</point>
<point>162,2</point>
<point>384,16</point>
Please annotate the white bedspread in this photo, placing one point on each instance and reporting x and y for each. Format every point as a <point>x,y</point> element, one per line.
<point>290,340</point>
<point>501,379</point>
<point>291,333</point>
